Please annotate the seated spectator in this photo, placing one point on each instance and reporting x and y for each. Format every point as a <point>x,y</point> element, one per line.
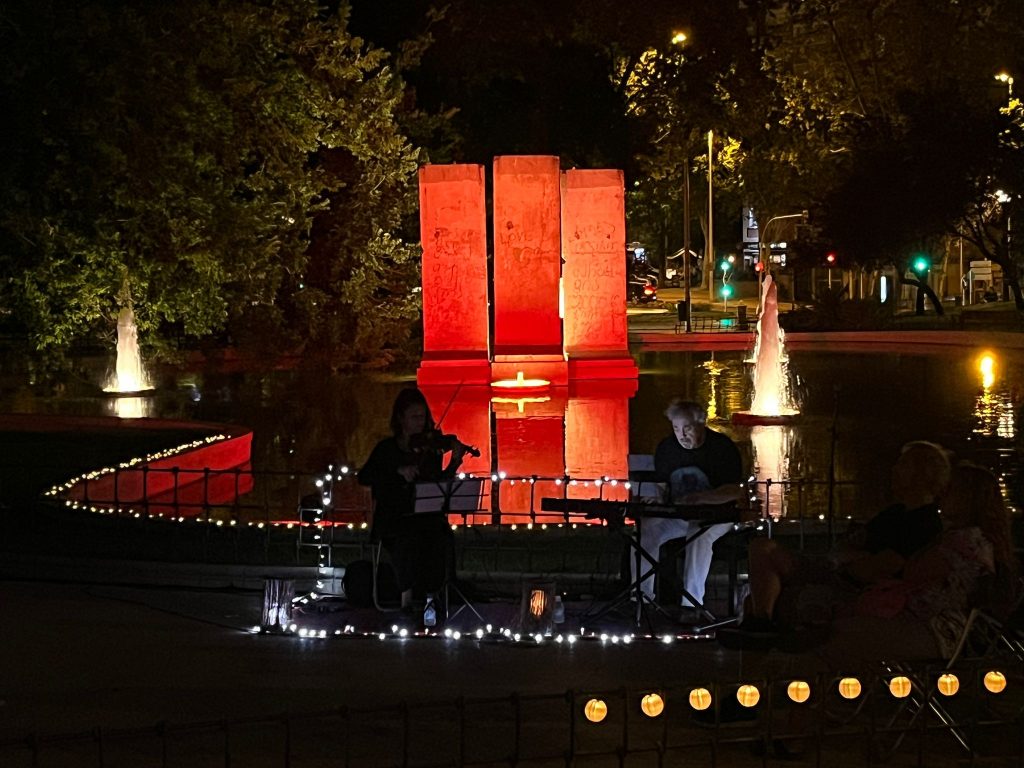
<point>922,613</point>
<point>784,585</point>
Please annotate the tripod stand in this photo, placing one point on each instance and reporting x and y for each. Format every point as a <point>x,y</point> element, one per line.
<point>634,590</point>
<point>441,498</point>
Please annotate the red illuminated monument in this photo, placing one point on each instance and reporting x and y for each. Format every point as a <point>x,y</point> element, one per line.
<point>557,295</point>
<point>552,313</point>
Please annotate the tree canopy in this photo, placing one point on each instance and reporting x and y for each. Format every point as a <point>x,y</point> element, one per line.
<point>181,157</point>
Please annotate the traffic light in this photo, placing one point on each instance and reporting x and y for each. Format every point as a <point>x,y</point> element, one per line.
<point>726,291</point>
<point>830,258</point>
<point>920,264</point>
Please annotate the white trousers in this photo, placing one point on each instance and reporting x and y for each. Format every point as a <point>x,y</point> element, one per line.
<point>655,531</point>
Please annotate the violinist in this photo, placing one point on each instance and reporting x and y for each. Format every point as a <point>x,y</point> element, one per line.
<point>418,544</point>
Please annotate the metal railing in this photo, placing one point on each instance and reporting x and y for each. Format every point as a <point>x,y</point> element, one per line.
<point>737,323</point>
<point>273,498</point>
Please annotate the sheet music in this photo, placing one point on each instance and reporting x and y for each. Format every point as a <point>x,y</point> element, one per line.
<point>449,496</point>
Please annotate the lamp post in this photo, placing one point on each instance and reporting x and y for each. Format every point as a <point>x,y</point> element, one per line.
<point>709,247</point>
<point>1006,77</point>
<point>686,245</point>
<point>761,237</point>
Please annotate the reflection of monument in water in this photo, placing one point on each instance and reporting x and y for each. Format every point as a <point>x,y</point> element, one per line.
<point>129,378</point>
<point>534,359</point>
<point>772,405</point>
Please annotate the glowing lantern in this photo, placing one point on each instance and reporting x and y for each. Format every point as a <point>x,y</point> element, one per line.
<point>652,705</point>
<point>595,710</point>
<point>520,382</point>
<point>538,601</point>
<point>948,684</point>
<point>700,698</point>
<point>849,687</point>
<point>995,682</point>
<point>900,687</point>
<point>798,691</point>
<point>748,695</point>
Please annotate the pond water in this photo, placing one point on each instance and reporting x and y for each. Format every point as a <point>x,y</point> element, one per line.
<point>857,409</point>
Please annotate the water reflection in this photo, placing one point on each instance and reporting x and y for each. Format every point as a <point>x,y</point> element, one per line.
<point>771,444</point>
<point>994,406</point>
<point>131,407</point>
<point>302,422</point>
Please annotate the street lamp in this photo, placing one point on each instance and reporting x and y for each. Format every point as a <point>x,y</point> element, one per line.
<point>709,246</point>
<point>761,237</point>
<point>1006,77</point>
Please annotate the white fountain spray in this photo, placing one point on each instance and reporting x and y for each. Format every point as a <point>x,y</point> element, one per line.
<point>130,374</point>
<point>772,404</point>
<point>771,374</point>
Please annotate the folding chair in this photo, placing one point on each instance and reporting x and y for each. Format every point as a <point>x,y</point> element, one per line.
<point>983,638</point>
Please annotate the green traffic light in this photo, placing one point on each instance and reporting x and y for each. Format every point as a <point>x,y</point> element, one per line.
<point>725,266</point>
<point>726,291</point>
<point>921,264</point>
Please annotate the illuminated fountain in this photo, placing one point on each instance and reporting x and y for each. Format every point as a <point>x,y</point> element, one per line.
<point>772,405</point>
<point>129,382</point>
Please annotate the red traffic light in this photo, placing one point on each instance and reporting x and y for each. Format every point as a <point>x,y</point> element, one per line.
<point>830,258</point>
<point>759,267</point>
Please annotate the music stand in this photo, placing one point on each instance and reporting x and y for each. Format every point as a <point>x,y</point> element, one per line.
<point>444,497</point>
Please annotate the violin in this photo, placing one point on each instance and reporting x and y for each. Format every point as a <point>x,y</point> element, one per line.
<point>435,441</point>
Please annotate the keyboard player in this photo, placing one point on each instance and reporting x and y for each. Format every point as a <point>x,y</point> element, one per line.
<point>698,466</point>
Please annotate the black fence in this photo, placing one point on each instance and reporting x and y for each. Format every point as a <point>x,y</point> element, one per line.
<point>830,720</point>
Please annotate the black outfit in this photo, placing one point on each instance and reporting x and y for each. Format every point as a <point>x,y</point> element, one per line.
<point>718,458</point>
<point>905,531</point>
<point>418,543</point>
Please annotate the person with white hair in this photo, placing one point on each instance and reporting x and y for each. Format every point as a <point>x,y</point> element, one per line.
<point>699,466</point>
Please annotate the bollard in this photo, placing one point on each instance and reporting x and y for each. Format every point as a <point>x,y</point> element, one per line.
<point>741,316</point>
<point>683,314</point>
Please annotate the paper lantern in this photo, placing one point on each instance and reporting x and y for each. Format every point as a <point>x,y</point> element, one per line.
<point>748,695</point>
<point>595,710</point>
<point>948,684</point>
<point>995,682</point>
<point>849,687</point>
<point>652,705</point>
<point>900,687</point>
<point>700,698</point>
<point>798,691</point>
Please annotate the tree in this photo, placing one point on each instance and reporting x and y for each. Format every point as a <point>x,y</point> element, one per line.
<point>182,153</point>
<point>901,95</point>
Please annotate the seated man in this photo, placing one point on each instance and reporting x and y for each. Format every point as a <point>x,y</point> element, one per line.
<point>782,581</point>
<point>700,466</point>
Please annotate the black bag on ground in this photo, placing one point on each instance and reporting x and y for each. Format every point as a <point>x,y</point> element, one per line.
<point>358,581</point>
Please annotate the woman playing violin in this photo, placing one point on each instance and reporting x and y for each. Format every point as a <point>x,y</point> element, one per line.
<point>418,544</point>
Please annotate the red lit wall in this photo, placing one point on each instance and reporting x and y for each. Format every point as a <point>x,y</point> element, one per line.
<point>594,248</point>
<point>453,230</point>
<point>530,442</point>
<point>527,256</point>
<point>597,440</point>
<point>466,413</point>
<point>180,476</point>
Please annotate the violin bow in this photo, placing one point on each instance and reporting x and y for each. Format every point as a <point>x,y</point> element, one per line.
<point>447,407</point>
